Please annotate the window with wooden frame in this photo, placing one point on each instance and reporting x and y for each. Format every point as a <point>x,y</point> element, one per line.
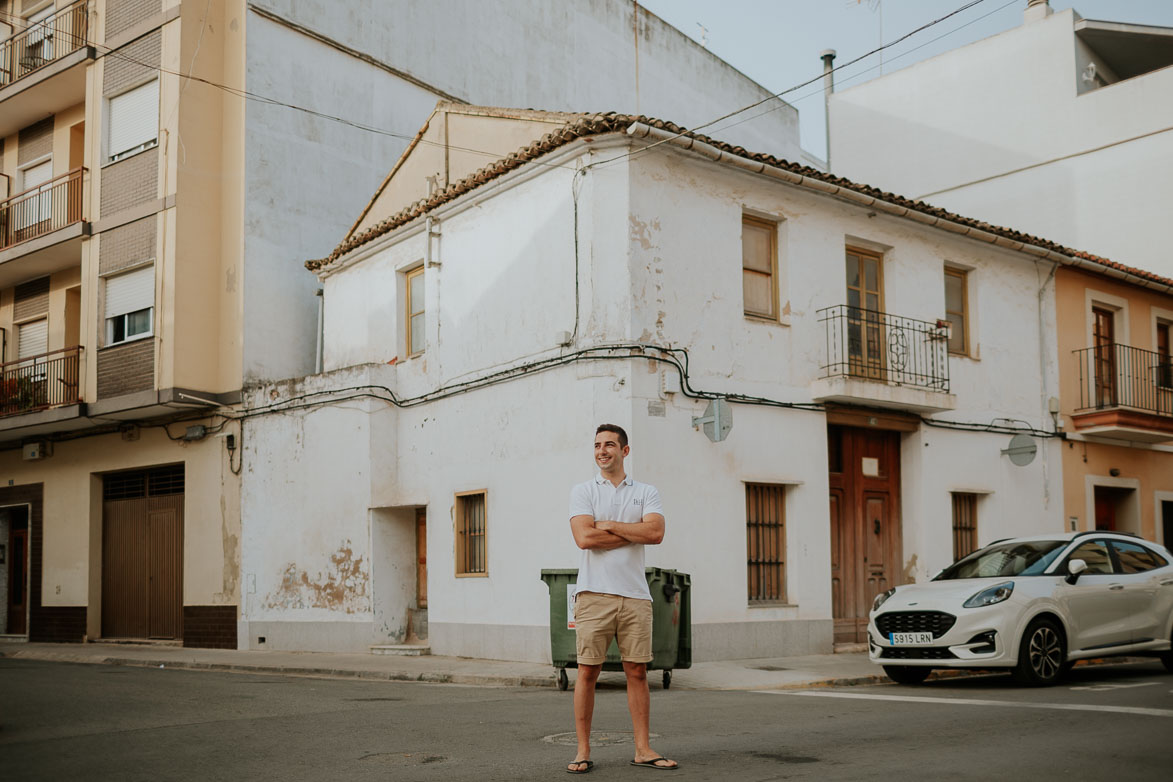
<point>765,534</point>
<point>470,533</point>
<point>759,267</point>
<point>414,307</point>
<point>964,524</point>
<point>1164,357</point>
<point>957,309</point>
<point>865,313</point>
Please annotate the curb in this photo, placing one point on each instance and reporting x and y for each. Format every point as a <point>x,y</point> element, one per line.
<point>484,680</point>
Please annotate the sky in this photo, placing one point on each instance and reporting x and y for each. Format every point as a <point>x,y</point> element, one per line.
<point>777,42</point>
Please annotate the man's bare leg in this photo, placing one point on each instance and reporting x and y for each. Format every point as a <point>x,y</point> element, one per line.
<point>639,704</point>
<point>584,711</point>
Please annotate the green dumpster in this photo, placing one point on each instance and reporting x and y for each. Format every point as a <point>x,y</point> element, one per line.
<point>671,623</point>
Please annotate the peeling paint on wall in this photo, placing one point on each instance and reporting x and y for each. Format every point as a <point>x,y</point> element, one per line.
<point>909,576</point>
<point>231,549</point>
<point>343,587</point>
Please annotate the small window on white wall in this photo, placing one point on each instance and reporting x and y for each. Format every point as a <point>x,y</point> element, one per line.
<point>133,121</point>
<point>130,305</point>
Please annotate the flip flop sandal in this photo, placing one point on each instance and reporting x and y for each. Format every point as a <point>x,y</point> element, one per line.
<point>589,765</point>
<point>652,764</point>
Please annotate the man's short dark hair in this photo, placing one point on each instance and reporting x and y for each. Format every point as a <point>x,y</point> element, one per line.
<point>616,430</point>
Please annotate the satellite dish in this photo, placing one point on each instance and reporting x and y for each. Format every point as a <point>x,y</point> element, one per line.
<point>717,420</point>
<point>1022,450</point>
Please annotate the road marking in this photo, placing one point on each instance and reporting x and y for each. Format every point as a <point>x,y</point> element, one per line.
<point>1104,687</point>
<point>975,702</point>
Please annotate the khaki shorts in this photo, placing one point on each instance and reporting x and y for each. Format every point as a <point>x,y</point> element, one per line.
<point>598,618</point>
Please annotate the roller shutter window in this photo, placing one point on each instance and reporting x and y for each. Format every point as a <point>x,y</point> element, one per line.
<point>37,207</point>
<point>32,339</point>
<point>130,305</point>
<point>134,120</point>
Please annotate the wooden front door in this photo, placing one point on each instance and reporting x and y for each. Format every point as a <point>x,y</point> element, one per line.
<point>18,580</point>
<point>865,524</point>
<point>1103,340</point>
<point>142,554</point>
<point>421,553</point>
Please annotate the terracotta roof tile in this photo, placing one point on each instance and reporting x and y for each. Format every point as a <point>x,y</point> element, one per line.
<point>611,122</point>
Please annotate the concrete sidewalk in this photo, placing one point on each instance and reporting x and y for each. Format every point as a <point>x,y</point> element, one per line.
<point>761,674</point>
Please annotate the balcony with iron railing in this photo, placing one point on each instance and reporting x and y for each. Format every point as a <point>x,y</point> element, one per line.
<point>1124,393</point>
<point>877,359</point>
<point>41,211</point>
<point>45,56</point>
<point>38,383</point>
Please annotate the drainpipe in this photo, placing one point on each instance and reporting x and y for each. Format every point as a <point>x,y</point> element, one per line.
<point>828,57</point>
<point>321,328</point>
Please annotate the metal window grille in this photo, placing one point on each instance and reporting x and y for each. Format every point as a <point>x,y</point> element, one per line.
<point>964,524</point>
<point>137,484</point>
<point>765,527</point>
<point>470,534</point>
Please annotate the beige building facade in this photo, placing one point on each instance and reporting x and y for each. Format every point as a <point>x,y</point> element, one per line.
<point>120,319</point>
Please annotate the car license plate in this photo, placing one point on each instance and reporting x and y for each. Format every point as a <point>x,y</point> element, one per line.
<point>910,639</point>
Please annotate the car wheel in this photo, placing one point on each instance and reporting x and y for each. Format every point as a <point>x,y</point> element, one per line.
<point>1167,657</point>
<point>907,674</point>
<point>1042,654</point>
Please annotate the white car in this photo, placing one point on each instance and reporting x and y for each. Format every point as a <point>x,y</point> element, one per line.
<point>1034,605</point>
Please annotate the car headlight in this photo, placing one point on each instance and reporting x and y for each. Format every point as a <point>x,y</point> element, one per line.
<point>881,598</point>
<point>990,596</point>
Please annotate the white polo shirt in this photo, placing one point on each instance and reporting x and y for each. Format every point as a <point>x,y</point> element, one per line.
<point>618,571</point>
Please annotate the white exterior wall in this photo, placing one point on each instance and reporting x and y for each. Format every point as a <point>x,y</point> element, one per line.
<point>950,130</point>
<point>659,260</point>
<point>306,178</point>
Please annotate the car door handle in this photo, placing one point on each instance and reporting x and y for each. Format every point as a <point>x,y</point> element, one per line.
<point>1115,587</point>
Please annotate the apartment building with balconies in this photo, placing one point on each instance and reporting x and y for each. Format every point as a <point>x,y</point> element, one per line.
<point>1116,394</point>
<point>151,212</point>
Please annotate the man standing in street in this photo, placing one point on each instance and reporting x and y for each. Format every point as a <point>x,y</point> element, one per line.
<point>612,518</point>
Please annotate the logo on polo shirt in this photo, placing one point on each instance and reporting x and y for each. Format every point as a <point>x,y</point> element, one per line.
<point>637,501</point>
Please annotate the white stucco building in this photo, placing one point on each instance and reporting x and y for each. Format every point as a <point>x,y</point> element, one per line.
<point>473,341</point>
<point>1059,128</point>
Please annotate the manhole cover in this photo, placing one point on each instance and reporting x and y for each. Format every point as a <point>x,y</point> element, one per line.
<point>769,668</point>
<point>599,738</point>
<point>373,700</point>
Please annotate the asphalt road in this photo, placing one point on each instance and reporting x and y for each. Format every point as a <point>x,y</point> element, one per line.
<point>60,721</point>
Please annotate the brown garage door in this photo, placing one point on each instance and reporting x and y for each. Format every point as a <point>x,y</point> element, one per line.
<point>142,554</point>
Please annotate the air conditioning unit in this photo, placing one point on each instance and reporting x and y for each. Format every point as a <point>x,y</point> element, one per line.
<point>36,451</point>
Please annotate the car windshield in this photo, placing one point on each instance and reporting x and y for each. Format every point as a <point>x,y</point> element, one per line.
<point>1013,558</point>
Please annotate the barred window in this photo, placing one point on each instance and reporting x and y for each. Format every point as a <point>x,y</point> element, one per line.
<point>470,534</point>
<point>765,524</point>
<point>964,524</point>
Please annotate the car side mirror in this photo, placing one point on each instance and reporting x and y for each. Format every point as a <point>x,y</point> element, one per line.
<point>1074,568</point>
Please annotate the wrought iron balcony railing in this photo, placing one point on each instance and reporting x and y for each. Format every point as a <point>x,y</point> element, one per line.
<point>1112,376</point>
<point>46,41</point>
<point>873,345</point>
<point>40,382</point>
<point>42,209</point>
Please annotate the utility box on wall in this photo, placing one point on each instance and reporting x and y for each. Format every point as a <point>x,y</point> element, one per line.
<point>32,452</point>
